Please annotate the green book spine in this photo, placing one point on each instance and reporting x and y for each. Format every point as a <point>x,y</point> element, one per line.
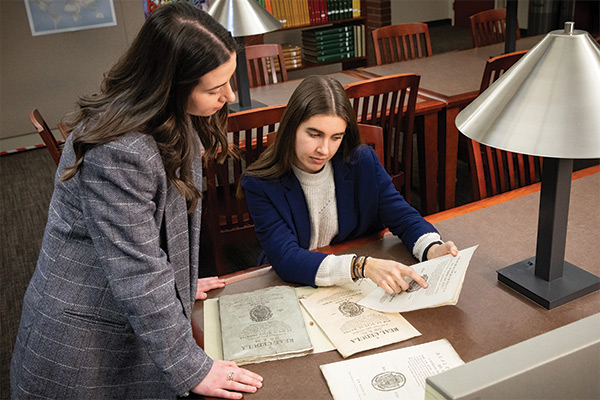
<point>348,35</point>
<point>326,52</point>
<point>331,57</point>
<point>326,46</point>
<point>327,31</point>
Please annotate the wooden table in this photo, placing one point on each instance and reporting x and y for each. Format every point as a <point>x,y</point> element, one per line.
<point>489,316</point>
<point>453,77</point>
<point>428,108</point>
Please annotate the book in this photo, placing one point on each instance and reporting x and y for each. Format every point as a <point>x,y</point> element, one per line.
<point>335,44</point>
<point>445,276</point>
<point>263,325</point>
<point>329,58</point>
<point>326,31</point>
<point>349,326</point>
<point>213,345</point>
<point>325,52</point>
<point>348,35</point>
<point>395,374</point>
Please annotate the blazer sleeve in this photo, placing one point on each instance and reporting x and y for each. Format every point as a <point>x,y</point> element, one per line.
<point>394,212</point>
<point>277,232</point>
<point>121,191</point>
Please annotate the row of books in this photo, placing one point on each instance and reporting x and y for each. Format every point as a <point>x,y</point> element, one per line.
<point>333,43</point>
<point>296,13</point>
<point>292,56</point>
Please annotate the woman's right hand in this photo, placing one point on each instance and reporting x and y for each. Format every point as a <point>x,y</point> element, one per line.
<point>226,380</point>
<point>390,275</point>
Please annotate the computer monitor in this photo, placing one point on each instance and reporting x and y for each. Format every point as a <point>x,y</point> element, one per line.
<point>560,364</point>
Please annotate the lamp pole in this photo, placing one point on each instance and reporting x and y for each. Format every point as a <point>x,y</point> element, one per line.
<point>510,43</point>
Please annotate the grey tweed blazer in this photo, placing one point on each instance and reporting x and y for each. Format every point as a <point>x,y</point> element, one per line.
<point>107,312</point>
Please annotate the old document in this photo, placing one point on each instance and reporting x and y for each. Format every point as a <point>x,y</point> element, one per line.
<point>445,276</point>
<point>351,327</point>
<point>263,325</point>
<point>396,374</point>
<point>212,327</point>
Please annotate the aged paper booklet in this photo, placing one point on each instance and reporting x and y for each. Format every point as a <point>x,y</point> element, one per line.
<point>263,325</point>
<point>212,327</point>
<point>351,327</point>
<point>395,374</point>
<point>445,276</point>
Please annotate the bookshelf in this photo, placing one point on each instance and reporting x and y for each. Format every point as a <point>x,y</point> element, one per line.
<point>307,20</point>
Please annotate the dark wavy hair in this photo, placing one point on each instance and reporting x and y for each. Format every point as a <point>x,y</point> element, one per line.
<point>148,89</point>
<point>315,95</point>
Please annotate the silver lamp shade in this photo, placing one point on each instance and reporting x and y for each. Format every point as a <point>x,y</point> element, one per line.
<point>547,104</point>
<point>243,17</point>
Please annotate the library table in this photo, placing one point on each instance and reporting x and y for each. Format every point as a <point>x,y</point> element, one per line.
<point>427,107</point>
<point>489,316</point>
<point>453,77</point>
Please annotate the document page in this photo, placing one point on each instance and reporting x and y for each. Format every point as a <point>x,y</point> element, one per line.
<point>262,325</point>
<point>353,328</point>
<point>445,276</point>
<point>395,374</point>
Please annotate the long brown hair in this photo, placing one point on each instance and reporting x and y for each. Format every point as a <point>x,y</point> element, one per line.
<point>147,91</point>
<point>315,95</point>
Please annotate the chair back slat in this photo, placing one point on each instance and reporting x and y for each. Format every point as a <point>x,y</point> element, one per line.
<point>495,171</point>
<point>372,135</point>
<point>54,148</point>
<point>489,27</point>
<point>402,42</point>
<point>260,60</point>
<point>389,102</point>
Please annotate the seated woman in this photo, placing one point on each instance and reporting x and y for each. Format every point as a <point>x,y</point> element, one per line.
<point>317,185</point>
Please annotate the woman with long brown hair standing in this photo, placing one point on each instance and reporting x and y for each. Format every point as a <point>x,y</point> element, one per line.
<point>107,312</point>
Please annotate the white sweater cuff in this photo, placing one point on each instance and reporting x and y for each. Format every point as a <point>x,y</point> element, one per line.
<point>334,270</point>
<point>422,243</point>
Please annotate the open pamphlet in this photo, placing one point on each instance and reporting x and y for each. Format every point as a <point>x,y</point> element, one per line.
<point>445,276</point>
<point>395,374</point>
<point>263,325</point>
<point>351,327</point>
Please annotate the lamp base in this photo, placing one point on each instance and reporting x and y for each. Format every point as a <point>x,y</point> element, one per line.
<point>574,283</point>
<point>235,107</point>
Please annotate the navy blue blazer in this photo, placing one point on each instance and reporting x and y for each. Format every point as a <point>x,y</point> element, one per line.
<point>367,202</point>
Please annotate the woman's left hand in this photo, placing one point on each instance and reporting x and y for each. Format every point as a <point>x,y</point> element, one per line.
<point>206,284</point>
<point>438,250</point>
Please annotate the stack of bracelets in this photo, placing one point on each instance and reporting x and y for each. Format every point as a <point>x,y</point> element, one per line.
<point>358,267</point>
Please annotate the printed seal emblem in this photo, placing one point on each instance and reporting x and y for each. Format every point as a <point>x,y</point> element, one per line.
<point>260,313</point>
<point>350,309</point>
<point>387,381</point>
<point>413,286</point>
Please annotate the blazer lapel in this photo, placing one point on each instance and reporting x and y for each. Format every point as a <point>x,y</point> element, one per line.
<point>194,224</point>
<point>344,194</point>
<point>297,204</point>
<point>178,240</point>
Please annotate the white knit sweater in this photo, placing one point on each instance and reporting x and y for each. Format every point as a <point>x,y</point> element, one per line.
<point>319,191</point>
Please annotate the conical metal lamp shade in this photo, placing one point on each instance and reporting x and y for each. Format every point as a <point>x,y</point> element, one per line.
<point>547,104</point>
<point>243,17</point>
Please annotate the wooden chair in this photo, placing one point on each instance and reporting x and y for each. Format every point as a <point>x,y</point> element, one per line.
<point>372,135</point>
<point>64,131</point>
<point>401,42</point>
<point>495,171</point>
<point>489,27</point>
<point>226,218</point>
<point>389,102</point>
<point>50,141</point>
<point>260,59</point>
